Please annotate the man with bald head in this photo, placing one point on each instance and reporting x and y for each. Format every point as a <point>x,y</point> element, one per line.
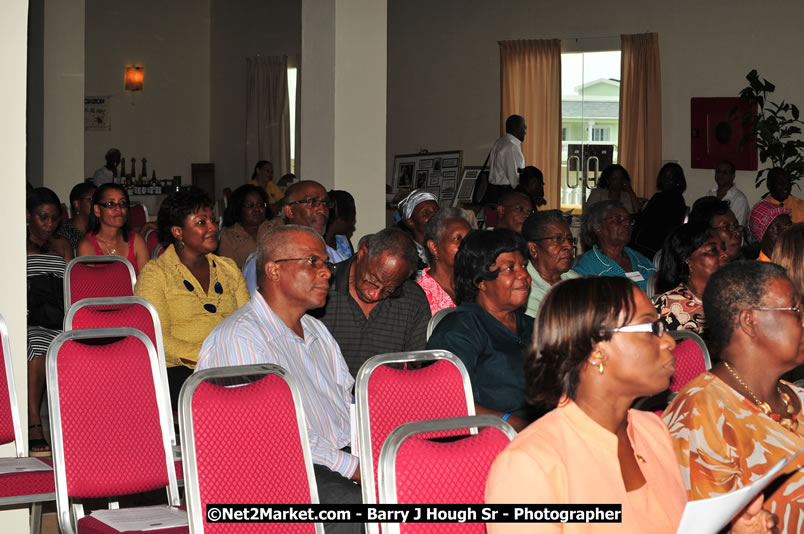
<point>374,307</point>
<point>293,277</point>
<point>513,209</point>
<point>306,203</point>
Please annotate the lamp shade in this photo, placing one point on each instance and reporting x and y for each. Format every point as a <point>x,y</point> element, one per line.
<point>134,78</point>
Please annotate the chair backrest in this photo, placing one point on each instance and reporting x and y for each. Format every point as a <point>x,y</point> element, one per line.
<point>10,428</point>
<point>650,284</point>
<point>692,358</point>
<point>415,470</point>
<point>137,215</point>
<point>244,439</point>
<point>109,422</point>
<point>152,241</point>
<point>436,318</point>
<point>98,276</point>
<point>124,312</point>
<point>388,397</point>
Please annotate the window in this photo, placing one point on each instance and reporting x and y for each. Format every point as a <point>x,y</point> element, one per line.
<point>590,114</point>
<point>292,103</point>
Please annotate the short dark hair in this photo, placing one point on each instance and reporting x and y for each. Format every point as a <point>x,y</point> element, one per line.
<point>514,123</point>
<point>533,227</point>
<point>573,318</point>
<point>679,244</point>
<point>395,241</point>
<point>41,195</point>
<point>344,204</point>
<point>591,217</point>
<point>79,190</point>
<point>176,208</point>
<point>732,289</point>
<point>234,210</point>
<point>435,226</point>
<point>676,173</point>
<point>93,223</point>
<point>776,172</point>
<point>707,208</point>
<point>732,168</point>
<point>603,181</point>
<point>477,253</point>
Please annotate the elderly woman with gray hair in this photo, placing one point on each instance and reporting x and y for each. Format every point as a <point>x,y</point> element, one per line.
<point>551,246</point>
<point>442,236</point>
<point>415,210</point>
<point>605,230</point>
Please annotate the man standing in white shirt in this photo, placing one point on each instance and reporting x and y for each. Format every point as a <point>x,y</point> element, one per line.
<point>108,172</point>
<point>506,160</point>
<point>293,273</point>
<point>726,190</point>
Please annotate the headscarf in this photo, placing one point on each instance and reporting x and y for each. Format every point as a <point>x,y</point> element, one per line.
<point>414,198</point>
<point>762,215</point>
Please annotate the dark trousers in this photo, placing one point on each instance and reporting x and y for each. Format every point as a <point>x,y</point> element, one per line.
<point>176,377</point>
<point>334,488</point>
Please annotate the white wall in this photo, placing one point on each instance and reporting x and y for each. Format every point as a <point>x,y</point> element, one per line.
<point>13,38</point>
<point>169,121</point>
<point>242,29</point>
<point>443,64</point>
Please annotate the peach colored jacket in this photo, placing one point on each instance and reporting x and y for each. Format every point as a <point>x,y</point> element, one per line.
<point>565,457</point>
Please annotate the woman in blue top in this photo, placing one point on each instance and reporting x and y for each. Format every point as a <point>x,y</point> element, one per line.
<point>488,330</point>
<point>605,230</point>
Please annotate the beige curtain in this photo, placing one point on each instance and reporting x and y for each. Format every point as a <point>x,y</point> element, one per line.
<point>530,72</point>
<point>298,115</point>
<point>640,138</point>
<point>267,113</point>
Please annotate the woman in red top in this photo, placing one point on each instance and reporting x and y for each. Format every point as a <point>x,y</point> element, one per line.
<point>109,233</point>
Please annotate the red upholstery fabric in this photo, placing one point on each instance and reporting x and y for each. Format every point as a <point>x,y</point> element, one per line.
<point>6,416</point>
<point>248,450</point>
<point>110,422</point>
<point>455,472</point>
<point>689,363</point>
<point>152,240</point>
<point>136,216</point>
<point>90,525</point>
<point>28,483</point>
<point>397,396</point>
<point>111,279</point>
<point>129,315</point>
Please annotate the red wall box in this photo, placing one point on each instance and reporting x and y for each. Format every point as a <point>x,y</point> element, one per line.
<point>714,137</point>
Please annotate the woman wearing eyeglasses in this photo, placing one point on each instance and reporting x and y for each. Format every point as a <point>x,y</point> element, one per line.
<point>109,233</point>
<point>717,214</point>
<point>605,232</point>
<point>731,424</point>
<point>191,288</point>
<point>598,347</point>
<point>247,217</point>
<point>691,254</point>
<point>488,330</point>
<point>552,250</point>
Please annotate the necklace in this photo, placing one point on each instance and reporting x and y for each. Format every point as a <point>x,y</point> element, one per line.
<point>211,308</point>
<point>790,423</point>
<point>111,251</point>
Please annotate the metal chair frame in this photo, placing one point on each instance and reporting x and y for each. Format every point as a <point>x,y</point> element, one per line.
<point>92,259</point>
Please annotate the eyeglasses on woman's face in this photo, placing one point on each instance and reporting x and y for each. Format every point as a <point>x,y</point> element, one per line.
<point>111,204</point>
<point>657,328</point>
<point>558,240</point>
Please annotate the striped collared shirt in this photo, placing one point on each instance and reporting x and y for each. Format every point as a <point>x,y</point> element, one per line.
<point>255,334</point>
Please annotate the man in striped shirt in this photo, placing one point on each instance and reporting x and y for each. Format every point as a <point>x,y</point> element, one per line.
<point>293,277</point>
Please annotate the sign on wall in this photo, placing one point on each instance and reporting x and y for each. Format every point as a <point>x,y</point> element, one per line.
<point>96,114</point>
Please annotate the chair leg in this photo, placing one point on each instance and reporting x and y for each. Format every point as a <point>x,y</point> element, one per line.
<point>36,517</point>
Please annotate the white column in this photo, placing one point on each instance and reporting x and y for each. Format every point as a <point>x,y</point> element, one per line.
<point>63,136</point>
<point>13,45</point>
<point>343,106</point>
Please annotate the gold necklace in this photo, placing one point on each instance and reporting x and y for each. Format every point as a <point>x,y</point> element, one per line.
<point>790,423</point>
<point>111,251</point>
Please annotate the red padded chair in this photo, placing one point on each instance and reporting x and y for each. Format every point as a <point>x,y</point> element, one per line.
<point>119,312</point>
<point>388,397</point>
<point>110,423</point>
<point>24,487</point>
<point>244,440</point>
<point>98,276</point>
<point>152,241</point>
<point>692,358</point>
<point>415,470</point>
<point>137,216</point>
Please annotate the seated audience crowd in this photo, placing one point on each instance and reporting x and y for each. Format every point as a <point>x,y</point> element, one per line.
<point>557,342</point>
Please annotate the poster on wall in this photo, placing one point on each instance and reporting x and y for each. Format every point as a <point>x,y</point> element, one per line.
<point>96,114</point>
<point>435,172</point>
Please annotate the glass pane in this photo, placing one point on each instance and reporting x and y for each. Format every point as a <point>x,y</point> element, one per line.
<point>292,103</point>
<point>590,110</point>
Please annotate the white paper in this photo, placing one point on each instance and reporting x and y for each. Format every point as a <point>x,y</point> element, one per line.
<point>22,465</point>
<point>712,515</point>
<point>142,518</point>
